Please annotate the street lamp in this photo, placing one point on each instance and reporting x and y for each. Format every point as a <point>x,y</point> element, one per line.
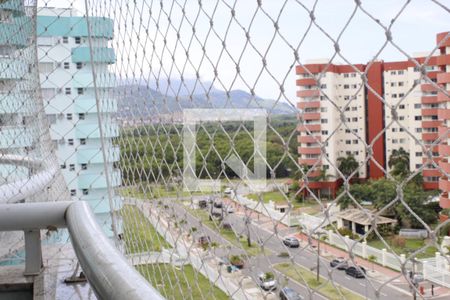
<point>319,235</point>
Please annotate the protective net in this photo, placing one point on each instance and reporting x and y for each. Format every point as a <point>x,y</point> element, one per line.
<point>224,157</point>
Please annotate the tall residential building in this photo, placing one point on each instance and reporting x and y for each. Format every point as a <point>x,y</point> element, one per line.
<point>86,152</point>
<point>401,109</point>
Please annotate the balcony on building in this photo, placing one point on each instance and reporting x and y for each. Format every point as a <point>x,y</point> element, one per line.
<point>99,55</point>
<point>15,137</point>
<point>95,155</point>
<point>87,104</point>
<point>91,130</point>
<point>86,80</point>
<point>98,181</point>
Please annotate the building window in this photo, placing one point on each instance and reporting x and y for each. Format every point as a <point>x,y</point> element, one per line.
<point>394,95</point>
<point>417,105</point>
<point>348,142</point>
<point>393,72</point>
<point>355,119</point>
<point>81,116</point>
<point>324,132</point>
<point>418,118</point>
<point>418,130</point>
<point>355,141</point>
<point>85,192</point>
<point>418,166</point>
<point>79,65</point>
<point>66,65</point>
<point>324,121</point>
<point>323,109</point>
<point>72,167</point>
<point>63,166</point>
<point>401,95</point>
<point>346,75</point>
<point>68,91</point>
<point>401,129</point>
<point>73,192</point>
<point>419,154</point>
<point>394,141</point>
<point>346,86</point>
<point>80,91</point>
<point>65,40</point>
<point>401,118</point>
<point>82,141</point>
<point>354,108</point>
<point>353,74</point>
<point>393,83</point>
<point>394,129</point>
<point>70,142</point>
<point>323,86</point>
<point>69,117</point>
<point>401,83</point>
<point>354,86</point>
<point>83,166</point>
<point>402,106</point>
<point>401,72</point>
<point>322,98</point>
<point>77,40</point>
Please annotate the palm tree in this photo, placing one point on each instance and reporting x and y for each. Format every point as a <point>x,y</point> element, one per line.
<point>348,165</point>
<point>322,177</point>
<point>399,163</point>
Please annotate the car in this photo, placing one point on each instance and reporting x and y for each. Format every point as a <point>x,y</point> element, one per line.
<point>204,240</point>
<point>224,261</point>
<point>357,272</point>
<point>291,242</point>
<point>229,209</point>
<point>267,281</point>
<point>339,263</point>
<point>218,204</point>
<point>227,191</point>
<point>287,293</point>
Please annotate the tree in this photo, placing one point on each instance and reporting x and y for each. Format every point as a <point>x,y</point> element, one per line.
<point>348,165</point>
<point>399,163</point>
<point>372,258</point>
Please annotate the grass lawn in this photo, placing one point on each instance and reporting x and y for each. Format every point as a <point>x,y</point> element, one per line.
<point>229,234</point>
<point>154,192</point>
<point>180,282</point>
<point>410,246</point>
<point>309,206</point>
<point>306,277</point>
<point>138,232</point>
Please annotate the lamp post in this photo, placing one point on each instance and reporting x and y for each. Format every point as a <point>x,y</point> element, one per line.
<point>319,235</point>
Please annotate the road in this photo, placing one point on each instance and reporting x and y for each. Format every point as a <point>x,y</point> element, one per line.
<point>305,257</point>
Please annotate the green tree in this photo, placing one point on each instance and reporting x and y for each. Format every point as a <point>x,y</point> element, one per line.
<point>399,163</point>
<point>348,165</point>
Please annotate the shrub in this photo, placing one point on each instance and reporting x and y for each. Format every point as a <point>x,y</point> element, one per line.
<point>269,276</point>
<point>398,241</point>
<point>226,226</point>
<point>345,231</point>
<point>283,254</point>
<point>237,261</point>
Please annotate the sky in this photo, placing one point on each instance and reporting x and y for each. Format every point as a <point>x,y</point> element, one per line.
<point>265,56</point>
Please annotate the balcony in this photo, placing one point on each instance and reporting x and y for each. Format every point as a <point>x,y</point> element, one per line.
<point>15,6</point>
<point>92,131</point>
<point>309,150</point>
<point>429,112</point>
<point>98,181</point>
<point>95,155</point>
<point>443,78</point>
<point>15,103</point>
<point>86,104</point>
<point>429,99</point>
<point>59,25</point>
<point>14,69</point>
<point>86,80</point>
<point>100,55</point>
<point>16,33</point>
<point>309,104</point>
<point>309,139</point>
<point>15,137</point>
<point>308,93</point>
<point>310,116</point>
<point>444,184</point>
<point>308,127</point>
<point>306,82</point>
<point>431,124</point>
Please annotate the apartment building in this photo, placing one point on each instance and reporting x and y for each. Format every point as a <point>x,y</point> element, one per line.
<point>86,153</point>
<point>399,110</point>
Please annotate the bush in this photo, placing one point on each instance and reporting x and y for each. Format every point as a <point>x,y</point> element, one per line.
<point>283,254</point>
<point>237,261</point>
<point>269,276</point>
<point>398,241</point>
<point>345,231</point>
<point>226,226</point>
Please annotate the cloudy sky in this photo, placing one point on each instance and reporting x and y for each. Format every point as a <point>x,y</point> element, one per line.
<point>249,38</point>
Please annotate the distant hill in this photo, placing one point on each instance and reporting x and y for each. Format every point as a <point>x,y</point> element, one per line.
<point>142,101</point>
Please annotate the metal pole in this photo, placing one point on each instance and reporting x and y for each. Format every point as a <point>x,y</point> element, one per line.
<point>318,256</point>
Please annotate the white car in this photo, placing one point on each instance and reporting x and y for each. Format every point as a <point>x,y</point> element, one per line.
<point>229,209</point>
<point>227,191</point>
<point>267,283</point>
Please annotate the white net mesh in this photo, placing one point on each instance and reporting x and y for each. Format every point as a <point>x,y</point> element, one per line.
<point>221,158</point>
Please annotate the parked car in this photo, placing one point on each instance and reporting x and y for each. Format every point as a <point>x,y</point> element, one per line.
<point>267,281</point>
<point>357,272</point>
<point>227,191</point>
<point>229,209</point>
<point>202,203</point>
<point>339,263</point>
<point>291,242</point>
<point>204,240</point>
<point>287,293</point>
<point>218,204</point>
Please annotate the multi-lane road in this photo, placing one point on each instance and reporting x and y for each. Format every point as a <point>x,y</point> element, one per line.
<point>370,288</point>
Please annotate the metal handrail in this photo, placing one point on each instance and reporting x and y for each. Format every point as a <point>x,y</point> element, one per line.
<point>107,270</point>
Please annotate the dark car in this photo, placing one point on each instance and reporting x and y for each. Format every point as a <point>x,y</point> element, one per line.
<point>204,240</point>
<point>287,293</point>
<point>291,242</point>
<point>357,272</point>
<point>218,204</point>
<point>339,263</point>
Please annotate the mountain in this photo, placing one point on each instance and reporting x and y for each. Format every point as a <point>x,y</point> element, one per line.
<point>146,103</point>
